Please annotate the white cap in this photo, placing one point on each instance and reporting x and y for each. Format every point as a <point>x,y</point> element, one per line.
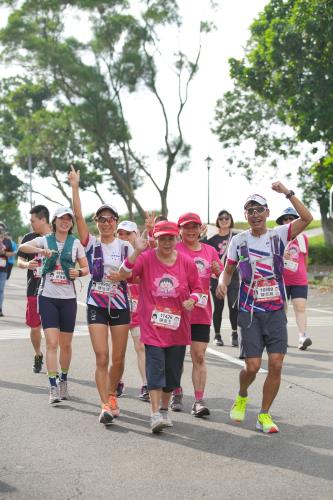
<point>256,198</point>
<point>107,206</point>
<point>62,211</point>
<point>128,225</point>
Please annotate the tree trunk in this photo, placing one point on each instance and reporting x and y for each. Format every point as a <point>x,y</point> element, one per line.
<point>164,203</point>
<point>327,225</point>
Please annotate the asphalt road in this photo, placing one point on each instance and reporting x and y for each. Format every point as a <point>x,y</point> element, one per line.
<point>62,452</point>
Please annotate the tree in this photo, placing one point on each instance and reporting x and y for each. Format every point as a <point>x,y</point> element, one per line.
<point>286,76</point>
<point>90,80</point>
<point>10,197</point>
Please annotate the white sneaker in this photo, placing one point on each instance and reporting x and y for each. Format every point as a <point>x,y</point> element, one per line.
<point>166,418</point>
<point>157,422</point>
<point>54,396</point>
<point>304,342</point>
<point>63,389</point>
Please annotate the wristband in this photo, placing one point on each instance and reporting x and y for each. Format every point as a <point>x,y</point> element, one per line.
<point>290,194</point>
<point>195,297</point>
<point>80,273</point>
<point>127,265</point>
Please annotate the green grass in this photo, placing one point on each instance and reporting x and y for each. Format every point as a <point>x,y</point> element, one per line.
<point>317,241</point>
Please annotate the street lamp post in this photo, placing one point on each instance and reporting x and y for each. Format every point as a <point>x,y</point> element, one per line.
<point>30,179</point>
<point>208,161</point>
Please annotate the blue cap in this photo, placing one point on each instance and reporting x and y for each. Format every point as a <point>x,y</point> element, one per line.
<point>287,212</point>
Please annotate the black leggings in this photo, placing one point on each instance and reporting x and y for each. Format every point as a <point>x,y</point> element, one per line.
<point>232,295</point>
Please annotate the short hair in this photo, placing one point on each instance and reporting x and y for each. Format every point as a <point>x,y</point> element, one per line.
<point>227,213</point>
<point>41,212</point>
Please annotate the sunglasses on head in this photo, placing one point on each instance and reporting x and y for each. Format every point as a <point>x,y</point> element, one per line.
<point>259,209</point>
<point>288,218</point>
<point>102,219</point>
<point>224,217</point>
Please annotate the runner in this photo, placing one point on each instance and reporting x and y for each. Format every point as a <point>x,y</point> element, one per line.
<point>40,223</point>
<point>208,262</point>
<point>107,301</point>
<point>127,231</point>
<point>11,260</point>
<point>6,251</point>
<point>169,288</point>
<point>259,254</point>
<point>295,276</point>
<point>56,295</point>
<point>221,242</point>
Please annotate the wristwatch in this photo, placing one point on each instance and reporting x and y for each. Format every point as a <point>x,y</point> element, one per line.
<point>80,273</point>
<point>290,194</point>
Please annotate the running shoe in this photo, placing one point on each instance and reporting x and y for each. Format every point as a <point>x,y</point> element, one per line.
<point>199,409</point>
<point>234,338</point>
<point>54,396</point>
<point>38,362</point>
<point>106,416</point>
<point>177,401</point>
<point>63,389</point>
<point>166,417</point>
<point>157,422</point>
<point>266,424</point>
<point>304,342</point>
<point>144,394</point>
<point>238,409</point>
<point>113,403</point>
<point>218,341</point>
<point>120,389</point>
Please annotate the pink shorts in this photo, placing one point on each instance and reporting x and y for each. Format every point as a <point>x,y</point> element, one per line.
<point>32,317</point>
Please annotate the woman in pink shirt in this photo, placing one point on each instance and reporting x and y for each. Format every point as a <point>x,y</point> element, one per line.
<point>207,262</point>
<point>169,288</point>
<point>295,276</point>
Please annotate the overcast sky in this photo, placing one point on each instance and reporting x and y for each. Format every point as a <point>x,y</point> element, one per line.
<point>188,191</point>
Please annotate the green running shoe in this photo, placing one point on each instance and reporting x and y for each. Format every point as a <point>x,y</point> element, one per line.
<point>238,409</point>
<point>266,424</point>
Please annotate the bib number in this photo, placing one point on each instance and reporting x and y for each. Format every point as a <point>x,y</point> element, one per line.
<point>267,290</point>
<point>37,272</point>
<point>166,318</point>
<point>105,287</point>
<point>3,262</point>
<point>59,277</point>
<point>203,300</point>
<point>291,265</point>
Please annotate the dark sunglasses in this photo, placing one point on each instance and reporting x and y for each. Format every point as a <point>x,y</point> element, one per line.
<point>102,219</point>
<point>259,210</point>
<point>224,217</point>
<point>287,219</point>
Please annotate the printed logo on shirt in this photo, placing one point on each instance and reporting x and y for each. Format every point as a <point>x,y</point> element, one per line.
<point>222,247</point>
<point>203,266</point>
<point>166,286</point>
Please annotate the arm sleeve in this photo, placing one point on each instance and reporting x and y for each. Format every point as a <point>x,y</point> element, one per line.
<point>232,257</point>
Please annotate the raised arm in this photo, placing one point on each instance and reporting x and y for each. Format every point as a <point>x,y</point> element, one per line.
<point>74,181</point>
<point>305,217</point>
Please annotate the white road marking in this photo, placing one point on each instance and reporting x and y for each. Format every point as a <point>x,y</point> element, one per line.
<point>229,358</point>
<point>319,310</point>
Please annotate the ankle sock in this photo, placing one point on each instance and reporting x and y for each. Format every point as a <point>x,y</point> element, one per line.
<point>198,395</point>
<point>63,375</point>
<point>177,391</point>
<point>52,378</point>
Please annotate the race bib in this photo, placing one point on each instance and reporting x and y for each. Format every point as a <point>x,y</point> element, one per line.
<point>267,290</point>
<point>37,272</point>
<point>105,287</point>
<point>133,301</point>
<point>203,300</point>
<point>164,317</point>
<point>291,265</point>
<point>3,262</point>
<point>59,277</point>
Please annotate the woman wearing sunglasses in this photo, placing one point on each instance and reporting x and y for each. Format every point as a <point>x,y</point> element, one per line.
<point>107,300</point>
<point>221,242</point>
<point>57,305</point>
<point>295,276</point>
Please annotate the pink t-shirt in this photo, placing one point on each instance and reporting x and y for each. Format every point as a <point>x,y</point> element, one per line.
<point>295,272</point>
<point>163,320</point>
<point>203,259</point>
<point>133,296</point>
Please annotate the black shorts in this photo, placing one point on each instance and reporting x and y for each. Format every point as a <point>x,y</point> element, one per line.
<point>57,313</point>
<point>200,333</point>
<point>164,366</point>
<point>297,291</point>
<point>101,315</point>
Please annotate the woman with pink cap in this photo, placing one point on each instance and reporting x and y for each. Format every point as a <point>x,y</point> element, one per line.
<point>169,288</point>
